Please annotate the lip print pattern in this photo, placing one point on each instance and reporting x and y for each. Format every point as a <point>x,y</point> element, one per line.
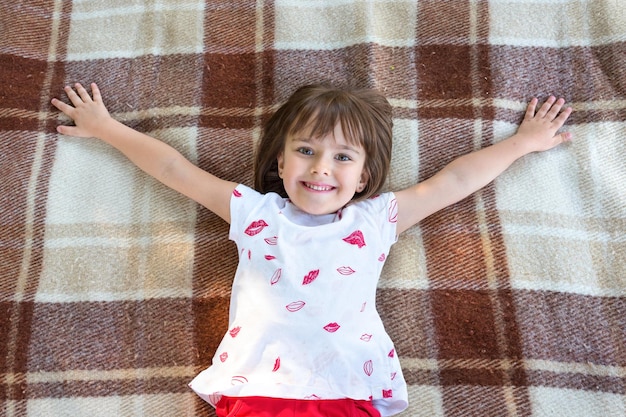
<point>393,211</point>
<point>366,337</point>
<point>295,306</point>
<point>355,238</point>
<point>236,193</point>
<point>332,327</point>
<point>276,276</point>
<point>345,270</point>
<point>368,368</point>
<point>224,356</point>
<point>271,240</point>
<point>310,277</point>
<point>255,227</point>
<point>270,257</point>
<point>387,393</point>
<point>382,257</point>
<point>234,331</point>
<point>392,353</point>
<point>238,379</point>
<point>276,364</point>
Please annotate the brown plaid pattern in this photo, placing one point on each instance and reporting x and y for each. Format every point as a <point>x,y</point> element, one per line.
<point>114,290</point>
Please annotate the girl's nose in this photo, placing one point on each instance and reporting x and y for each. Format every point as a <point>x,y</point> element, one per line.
<point>320,166</point>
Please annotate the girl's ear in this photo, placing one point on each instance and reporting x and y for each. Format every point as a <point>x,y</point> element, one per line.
<point>362,181</point>
<point>281,163</point>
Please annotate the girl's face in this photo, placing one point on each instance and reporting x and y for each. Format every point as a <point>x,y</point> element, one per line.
<point>321,175</point>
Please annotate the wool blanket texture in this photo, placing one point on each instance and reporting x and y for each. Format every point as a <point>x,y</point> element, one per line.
<point>114,290</point>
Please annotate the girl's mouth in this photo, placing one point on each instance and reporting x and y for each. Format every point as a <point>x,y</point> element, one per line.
<point>317,187</point>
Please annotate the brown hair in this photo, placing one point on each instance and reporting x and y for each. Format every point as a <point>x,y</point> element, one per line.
<point>366,119</point>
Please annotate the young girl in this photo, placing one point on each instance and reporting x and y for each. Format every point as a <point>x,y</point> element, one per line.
<point>304,335</point>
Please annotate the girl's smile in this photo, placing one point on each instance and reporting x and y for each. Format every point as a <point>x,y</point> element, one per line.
<point>322,175</point>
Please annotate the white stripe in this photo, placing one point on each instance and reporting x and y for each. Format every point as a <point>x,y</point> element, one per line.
<point>102,296</point>
<point>133,53</point>
<point>136,9</point>
<point>343,43</point>
<point>112,375</point>
<point>564,233</point>
<point>553,43</point>
<point>545,284</point>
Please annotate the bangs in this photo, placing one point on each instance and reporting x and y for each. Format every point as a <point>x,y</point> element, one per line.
<point>319,117</point>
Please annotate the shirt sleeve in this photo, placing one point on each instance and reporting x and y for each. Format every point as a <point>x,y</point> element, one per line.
<point>382,211</point>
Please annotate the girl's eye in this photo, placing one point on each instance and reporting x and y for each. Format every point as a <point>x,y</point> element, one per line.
<point>343,157</point>
<point>305,151</point>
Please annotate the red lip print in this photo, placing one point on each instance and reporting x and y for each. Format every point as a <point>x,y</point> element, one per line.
<point>295,306</point>
<point>363,306</point>
<point>255,227</point>
<point>393,211</point>
<point>276,276</point>
<point>236,193</point>
<point>382,257</point>
<point>276,365</point>
<point>368,368</point>
<point>355,238</point>
<point>224,356</point>
<point>332,327</point>
<point>238,379</point>
<point>392,353</point>
<point>387,393</point>
<point>269,257</point>
<point>271,240</point>
<point>345,270</point>
<point>366,337</point>
<point>234,332</point>
<point>393,375</point>
<point>310,277</point>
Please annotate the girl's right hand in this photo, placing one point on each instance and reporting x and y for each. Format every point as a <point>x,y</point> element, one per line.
<point>89,114</point>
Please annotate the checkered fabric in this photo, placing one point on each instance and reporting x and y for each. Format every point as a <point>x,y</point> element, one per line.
<point>114,290</point>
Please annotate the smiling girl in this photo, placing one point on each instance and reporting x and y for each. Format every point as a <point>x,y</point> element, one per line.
<point>304,336</point>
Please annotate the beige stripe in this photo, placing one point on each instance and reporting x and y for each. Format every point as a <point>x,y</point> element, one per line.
<point>21,113</point>
<point>117,374</point>
<point>258,71</point>
<point>502,104</point>
<point>588,369</point>
<point>22,279</point>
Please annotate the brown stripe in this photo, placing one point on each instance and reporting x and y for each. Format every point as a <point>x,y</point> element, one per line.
<point>575,381</point>
<point>162,81</point>
<point>95,388</point>
<point>590,329</point>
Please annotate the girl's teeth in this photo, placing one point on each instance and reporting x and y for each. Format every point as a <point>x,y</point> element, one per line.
<point>318,187</point>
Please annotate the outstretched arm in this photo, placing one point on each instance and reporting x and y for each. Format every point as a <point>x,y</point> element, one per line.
<point>156,158</point>
<point>471,172</point>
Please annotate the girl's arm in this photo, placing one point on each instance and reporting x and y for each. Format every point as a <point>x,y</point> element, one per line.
<point>156,158</point>
<point>471,172</point>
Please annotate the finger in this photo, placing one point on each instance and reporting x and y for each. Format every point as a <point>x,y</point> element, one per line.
<point>530,109</point>
<point>95,91</point>
<point>560,120</point>
<point>555,109</point>
<point>84,95</point>
<point>67,130</point>
<point>543,110</point>
<point>63,107</point>
<point>71,94</point>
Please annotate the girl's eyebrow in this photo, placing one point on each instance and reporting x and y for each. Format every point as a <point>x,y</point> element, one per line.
<point>345,147</point>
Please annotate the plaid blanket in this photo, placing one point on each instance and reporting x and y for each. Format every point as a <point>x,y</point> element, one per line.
<point>114,290</point>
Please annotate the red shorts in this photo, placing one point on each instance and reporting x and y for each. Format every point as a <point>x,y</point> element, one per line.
<point>281,407</point>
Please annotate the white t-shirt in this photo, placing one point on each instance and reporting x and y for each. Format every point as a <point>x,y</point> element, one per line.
<point>303,322</point>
